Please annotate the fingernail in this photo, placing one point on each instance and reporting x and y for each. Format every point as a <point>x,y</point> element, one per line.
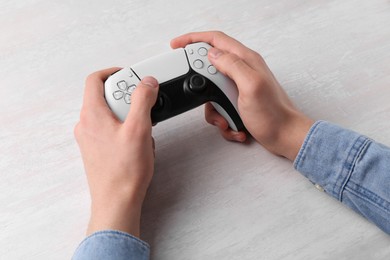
<point>215,53</point>
<point>150,81</point>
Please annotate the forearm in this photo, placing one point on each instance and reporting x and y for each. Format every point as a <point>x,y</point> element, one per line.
<point>350,167</point>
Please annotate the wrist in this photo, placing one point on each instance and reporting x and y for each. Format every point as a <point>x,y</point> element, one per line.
<point>117,212</point>
<point>292,135</point>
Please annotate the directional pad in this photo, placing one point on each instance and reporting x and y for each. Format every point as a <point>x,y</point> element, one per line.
<point>127,98</point>
<point>118,94</point>
<point>122,85</point>
<point>124,91</point>
<point>131,88</point>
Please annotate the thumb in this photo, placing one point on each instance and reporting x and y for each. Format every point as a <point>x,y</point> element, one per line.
<point>231,65</point>
<point>142,100</point>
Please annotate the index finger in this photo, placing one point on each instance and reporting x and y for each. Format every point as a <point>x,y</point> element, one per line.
<point>219,40</point>
<point>215,38</point>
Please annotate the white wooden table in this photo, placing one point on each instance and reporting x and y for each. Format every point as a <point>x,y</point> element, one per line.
<point>209,199</point>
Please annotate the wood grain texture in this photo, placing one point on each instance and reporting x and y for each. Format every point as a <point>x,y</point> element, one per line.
<point>209,199</point>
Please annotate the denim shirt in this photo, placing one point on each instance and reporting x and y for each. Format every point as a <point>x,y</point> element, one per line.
<point>112,244</point>
<point>348,166</point>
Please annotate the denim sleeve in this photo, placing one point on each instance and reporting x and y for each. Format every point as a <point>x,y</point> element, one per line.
<point>350,167</point>
<point>112,244</point>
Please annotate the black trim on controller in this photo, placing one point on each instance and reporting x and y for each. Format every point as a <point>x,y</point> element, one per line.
<point>178,96</point>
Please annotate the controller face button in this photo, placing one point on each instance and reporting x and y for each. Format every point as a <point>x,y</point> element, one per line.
<point>118,94</point>
<point>198,64</point>
<point>122,85</point>
<point>127,98</point>
<point>131,88</point>
<point>197,83</point>
<point>202,51</point>
<point>212,70</point>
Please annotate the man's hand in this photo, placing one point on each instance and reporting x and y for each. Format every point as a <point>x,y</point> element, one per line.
<point>266,110</point>
<point>118,157</point>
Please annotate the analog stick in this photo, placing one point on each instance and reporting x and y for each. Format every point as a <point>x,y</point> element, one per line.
<point>197,83</point>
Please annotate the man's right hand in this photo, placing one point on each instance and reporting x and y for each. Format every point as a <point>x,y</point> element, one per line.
<point>266,110</point>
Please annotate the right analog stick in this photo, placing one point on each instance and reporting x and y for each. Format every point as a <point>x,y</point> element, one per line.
<point>197,83</point>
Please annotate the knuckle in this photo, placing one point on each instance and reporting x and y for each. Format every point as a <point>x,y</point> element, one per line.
<point>217,36</point>
<point>86,120</point>
<point>219,33</point>
<point>258,79</point>
<point>259,83</point>
<point>233,59</point>
<point>90,78</point>
<point>138,94</point>
<point>138,131</point>
<point>256,56</point>
<point>256,85</point>
<point>144,94</point>
<point>77,131</point>
<point>84,116</point>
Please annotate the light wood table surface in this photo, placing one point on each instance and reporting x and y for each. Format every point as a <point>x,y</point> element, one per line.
<point>209,199</point>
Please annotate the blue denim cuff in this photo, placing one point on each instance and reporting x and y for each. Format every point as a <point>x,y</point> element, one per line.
<point>112,244</point>
<point>328,156</point>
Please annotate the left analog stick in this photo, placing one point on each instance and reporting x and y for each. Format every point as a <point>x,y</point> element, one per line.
<point>159,103</point>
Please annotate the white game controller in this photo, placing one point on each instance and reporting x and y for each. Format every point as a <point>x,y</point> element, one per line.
<point>187,80</point>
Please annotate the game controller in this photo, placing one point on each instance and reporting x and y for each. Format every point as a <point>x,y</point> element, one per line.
<point>187,80</point>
